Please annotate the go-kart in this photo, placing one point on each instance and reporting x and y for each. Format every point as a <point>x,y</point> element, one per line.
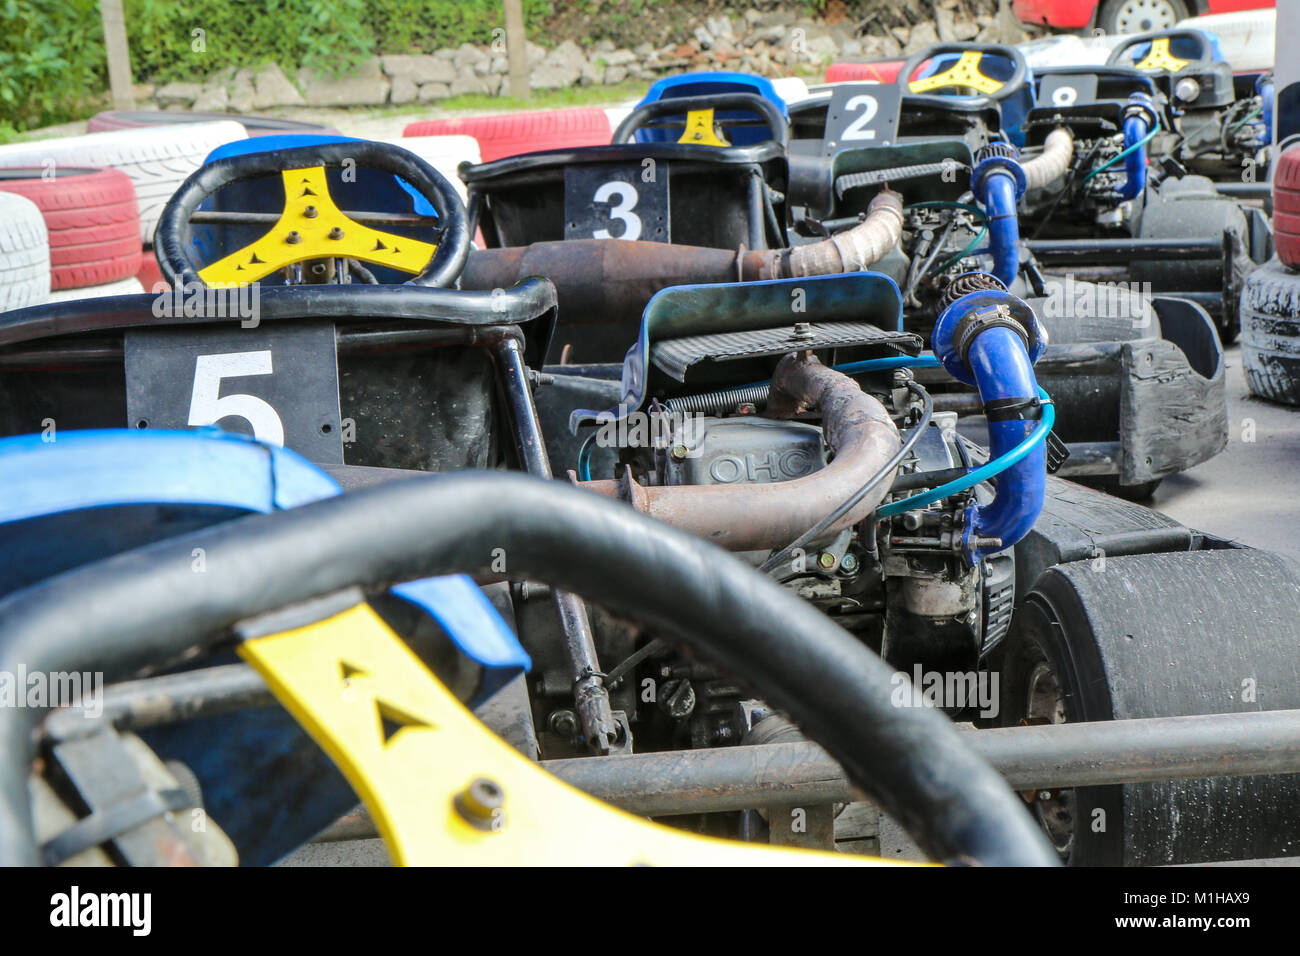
<point>1146,372</point>
<point>805,446</point>
<point>1220,123</point>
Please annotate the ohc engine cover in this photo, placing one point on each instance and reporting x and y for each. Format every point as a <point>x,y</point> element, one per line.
<point>747,450</point>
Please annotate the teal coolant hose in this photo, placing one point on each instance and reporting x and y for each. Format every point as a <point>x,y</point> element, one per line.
<point>982,473</point>
<point>1115,159</point>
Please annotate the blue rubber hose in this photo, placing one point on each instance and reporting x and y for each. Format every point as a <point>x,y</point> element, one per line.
<point>1136,135</point>
<point>998,182</point>
<point>991,339</point>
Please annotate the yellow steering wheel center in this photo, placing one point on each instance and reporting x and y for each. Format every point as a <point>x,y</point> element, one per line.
<point>700,128</point>
<point>1159,59</point>
<point>312,226</point>
<point>442,788</point>
<point>965,73</point>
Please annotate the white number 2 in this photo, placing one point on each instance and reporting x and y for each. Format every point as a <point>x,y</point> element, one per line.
<point>869,106</point>
<point>627,198</point>
<point>208,406</point>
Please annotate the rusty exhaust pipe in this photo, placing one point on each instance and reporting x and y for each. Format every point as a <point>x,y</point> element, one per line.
<point>765,516</point>
<point>603,285</point>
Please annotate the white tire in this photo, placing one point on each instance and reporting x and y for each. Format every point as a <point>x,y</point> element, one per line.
<point>445,154</point>
<point>24,254</point>
<point>120,287</point>
<point>158,158</point>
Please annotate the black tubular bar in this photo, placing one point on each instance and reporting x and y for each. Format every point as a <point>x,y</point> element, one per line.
<point>154,701</point>
<point>1050,756</point>
<point>203,217</point>
<point>590,696</point>
<point>1125,250</point>
<point>1245,190</point>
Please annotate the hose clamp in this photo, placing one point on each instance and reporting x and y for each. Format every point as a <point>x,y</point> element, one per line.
<point>993,315</point>
<point>1141,104</point>
<point>995,158</point>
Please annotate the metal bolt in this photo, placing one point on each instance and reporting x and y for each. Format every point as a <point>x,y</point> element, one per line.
<point>293,238</point>
<point>310,212</point>
<point>479,803</point>
<point>826,560</point>
<point>563,722</point>
<point>849,563</point>
<point>677,698</point>
<point>680,452</point>
<point>336,233</point>
<point>318,269</point>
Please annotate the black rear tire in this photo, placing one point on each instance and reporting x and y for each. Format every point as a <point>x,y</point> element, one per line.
<point>1270,333</point>
<point>1161,635</point>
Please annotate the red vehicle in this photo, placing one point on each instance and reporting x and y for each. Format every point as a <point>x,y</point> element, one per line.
<point>1125,16</point>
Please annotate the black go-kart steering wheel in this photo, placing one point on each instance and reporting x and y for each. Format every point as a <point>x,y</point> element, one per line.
<point>701,117</point>
<point>967,76</point>
<point>1156,51</point>
<point>311,225</point>
<point>145,607</point>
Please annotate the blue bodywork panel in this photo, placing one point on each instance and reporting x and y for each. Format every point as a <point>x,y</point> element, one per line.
<point>85,496</point>
<point>707,309</point>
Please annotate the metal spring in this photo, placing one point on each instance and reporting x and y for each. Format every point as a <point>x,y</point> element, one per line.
<point>966,283</point>
<point>719,401</point>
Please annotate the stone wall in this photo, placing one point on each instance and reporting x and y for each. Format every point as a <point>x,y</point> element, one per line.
<point>776,42</point>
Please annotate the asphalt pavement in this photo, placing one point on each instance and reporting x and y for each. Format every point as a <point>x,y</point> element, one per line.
<point>1251,491</point>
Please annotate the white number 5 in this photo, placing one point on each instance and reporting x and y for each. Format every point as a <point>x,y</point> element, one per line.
<point>208,406</point>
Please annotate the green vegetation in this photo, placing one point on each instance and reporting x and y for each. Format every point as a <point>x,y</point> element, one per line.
<point>197,38</point>
<point>51,61</point>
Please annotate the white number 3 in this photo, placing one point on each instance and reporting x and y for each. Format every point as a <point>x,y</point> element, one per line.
<point>627,198</point>
<point>208,406</point>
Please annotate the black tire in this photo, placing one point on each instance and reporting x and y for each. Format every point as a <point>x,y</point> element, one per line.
<point>1270,333</point>
<point>1124,16</point>
<point>1142,491</point>
<point>1161,635</point>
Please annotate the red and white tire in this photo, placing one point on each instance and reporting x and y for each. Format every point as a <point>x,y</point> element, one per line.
<point>157,158</point>
<point>509,134</point>
<point>881,71</point>
<point>24,254</point>
<point>125,286</point>
<point>92,220</point>
<point>255,125</point>
<point>150,274</point>
<point>445,154</point>
<point>1286,207</point>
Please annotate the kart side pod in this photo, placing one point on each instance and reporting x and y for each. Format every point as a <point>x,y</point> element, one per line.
<point>991,339</point>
